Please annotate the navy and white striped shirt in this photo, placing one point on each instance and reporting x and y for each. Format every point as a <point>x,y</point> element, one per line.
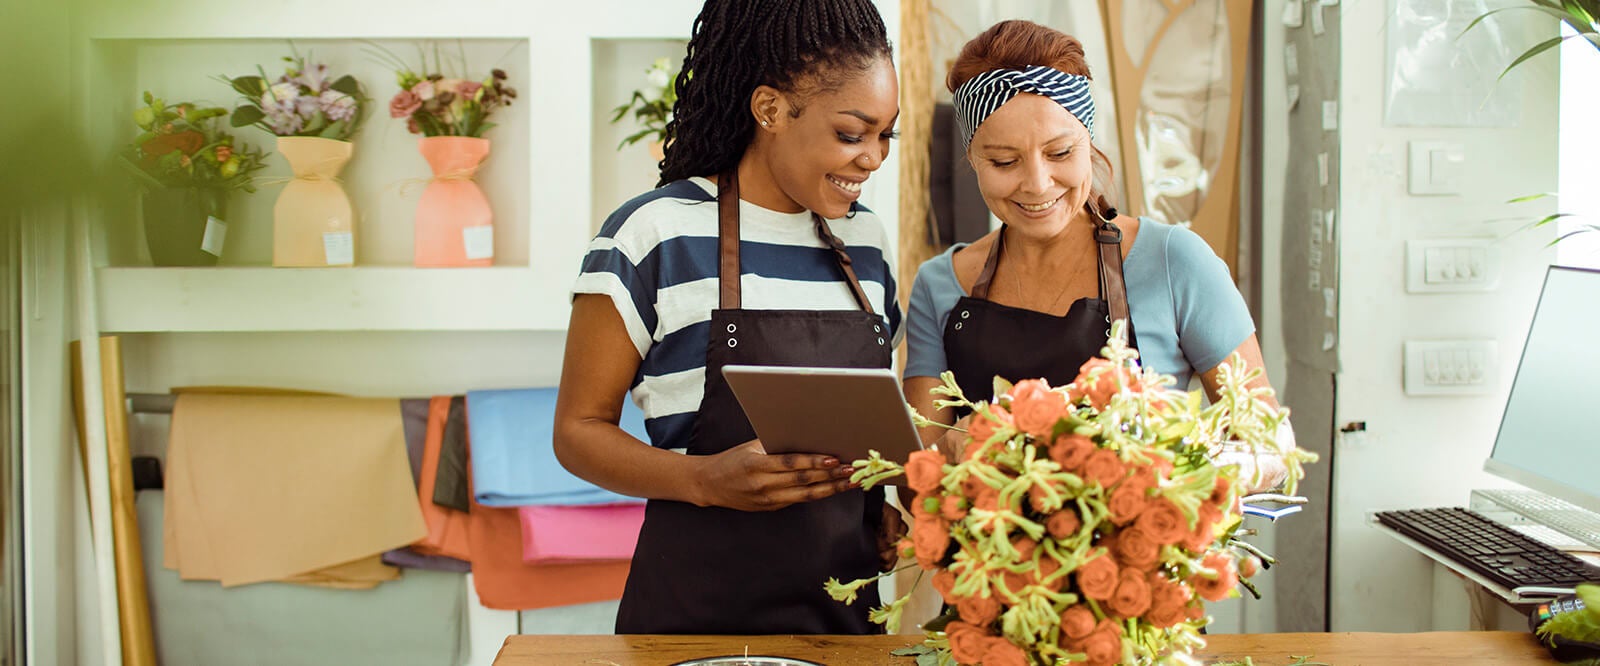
<point>656,257</point>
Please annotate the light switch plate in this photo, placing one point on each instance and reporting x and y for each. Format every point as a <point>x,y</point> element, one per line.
<point>1452,265</point>
<point>1436,168</point>
<point>1450,367</point>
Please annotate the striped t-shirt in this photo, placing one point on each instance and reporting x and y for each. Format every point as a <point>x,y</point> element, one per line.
<point>656,257</point>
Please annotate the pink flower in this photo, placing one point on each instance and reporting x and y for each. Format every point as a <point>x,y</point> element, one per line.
<point>404,104</point>
<point>423,90</point>
<point>468,89</point>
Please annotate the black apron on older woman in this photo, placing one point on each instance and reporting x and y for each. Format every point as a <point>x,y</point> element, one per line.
<point>984,339</point>
<point>703,570</point>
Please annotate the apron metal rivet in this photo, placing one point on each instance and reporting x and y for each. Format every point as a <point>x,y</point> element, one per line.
<point>958,325</point>
<point>877,329</point>
<point>965,314</point>
<point>1108,319</point>
<point>880,342</point>
<point>1108,333</point>
<point>732,342</point>
<point>732,328</point>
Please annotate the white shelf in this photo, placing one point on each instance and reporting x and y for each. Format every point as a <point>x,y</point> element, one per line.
<point>193,300</point>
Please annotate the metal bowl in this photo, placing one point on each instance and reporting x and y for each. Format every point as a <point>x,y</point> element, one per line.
<point>747,660</point>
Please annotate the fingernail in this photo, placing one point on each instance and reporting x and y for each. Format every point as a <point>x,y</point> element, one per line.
<point>830,462</point>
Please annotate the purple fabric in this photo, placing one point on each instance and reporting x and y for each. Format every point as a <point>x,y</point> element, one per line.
<point>405,558</point>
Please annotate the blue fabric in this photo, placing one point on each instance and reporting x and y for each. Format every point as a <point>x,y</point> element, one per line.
<point>513,454</point>
<point>986,92</point>
<point>1186,311</point>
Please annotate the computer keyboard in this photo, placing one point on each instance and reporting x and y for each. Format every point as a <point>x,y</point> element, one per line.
<point>1493,550</point>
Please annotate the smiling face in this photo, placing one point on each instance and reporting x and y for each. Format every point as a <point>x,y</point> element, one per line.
<point>1032,158</point>
<point>822,152</point>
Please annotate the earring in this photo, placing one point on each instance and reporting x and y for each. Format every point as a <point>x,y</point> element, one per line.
<point>765,123</point>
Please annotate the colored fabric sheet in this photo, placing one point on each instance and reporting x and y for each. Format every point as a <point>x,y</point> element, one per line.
<point>419,620</point>
<point>450,482</point>
<point>553,534</point>
<point>514,461</point>
<point>414,413</point>
<point>504,582</point>
<point>269,487</point>
<point>447,528</point>
<point>407,558</point>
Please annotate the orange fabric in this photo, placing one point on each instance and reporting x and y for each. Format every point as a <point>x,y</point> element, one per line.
<point>504,582</point>
<point>447,528</point>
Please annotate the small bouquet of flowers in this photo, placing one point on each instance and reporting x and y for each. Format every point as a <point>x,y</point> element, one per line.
<point>651,107</point>
<point>1083,523</point>
<point>305,101</point>
<point>180,146</point>
<point>434,105</point>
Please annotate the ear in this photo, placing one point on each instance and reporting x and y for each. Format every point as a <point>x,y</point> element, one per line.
<point>769,106</point>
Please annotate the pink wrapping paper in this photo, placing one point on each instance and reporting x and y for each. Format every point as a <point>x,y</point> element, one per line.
<point>552,534</point>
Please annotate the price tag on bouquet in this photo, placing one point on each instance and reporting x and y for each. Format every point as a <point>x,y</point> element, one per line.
<point>339,248</point>
<point>216,233</point>
<point>478,241</point>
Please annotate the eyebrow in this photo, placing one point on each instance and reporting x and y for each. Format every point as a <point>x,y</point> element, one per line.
<point>1064,136</point>
<point>862,115</point>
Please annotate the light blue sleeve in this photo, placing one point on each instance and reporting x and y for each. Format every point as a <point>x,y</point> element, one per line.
<point>933,294</point>
<point>1212,317</point>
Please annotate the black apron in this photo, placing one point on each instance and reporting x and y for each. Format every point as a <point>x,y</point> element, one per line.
<point>984,339</point>
<point>714,570</point>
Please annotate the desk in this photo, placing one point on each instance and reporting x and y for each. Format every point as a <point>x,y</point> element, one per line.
<point>1479,648</point>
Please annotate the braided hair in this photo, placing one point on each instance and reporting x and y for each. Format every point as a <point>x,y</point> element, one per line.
<point>737,45</point>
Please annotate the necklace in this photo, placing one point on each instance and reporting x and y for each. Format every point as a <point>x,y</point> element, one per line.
<point>1016,282</point>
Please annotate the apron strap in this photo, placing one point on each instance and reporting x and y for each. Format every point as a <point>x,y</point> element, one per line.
<point>1112,287</point>
<point>728,268</point>
<point>843,258</point>
<point>980,289</point>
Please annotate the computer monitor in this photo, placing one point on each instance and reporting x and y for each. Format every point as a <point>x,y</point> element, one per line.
<point>1549,438</point>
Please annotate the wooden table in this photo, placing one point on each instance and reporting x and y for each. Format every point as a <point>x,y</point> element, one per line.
<point>1477,648</point>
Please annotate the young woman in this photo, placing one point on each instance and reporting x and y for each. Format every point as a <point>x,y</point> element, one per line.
<point>1036,297</point>
<point>753,250</point>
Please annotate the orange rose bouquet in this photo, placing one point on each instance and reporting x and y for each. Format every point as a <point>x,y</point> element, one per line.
<point>1084,523</point>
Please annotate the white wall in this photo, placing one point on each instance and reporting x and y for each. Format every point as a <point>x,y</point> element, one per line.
<point>1419,451</point>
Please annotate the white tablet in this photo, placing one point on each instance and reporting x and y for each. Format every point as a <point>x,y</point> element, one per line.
<point>842,412</point>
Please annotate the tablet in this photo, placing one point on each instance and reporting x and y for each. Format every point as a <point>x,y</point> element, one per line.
<point>841,412</point>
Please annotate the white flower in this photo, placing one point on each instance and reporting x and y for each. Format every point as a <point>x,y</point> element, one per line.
<point>282,91</point>
<point>337,105</point>
<point>423,90</point>
<point>660,73</point>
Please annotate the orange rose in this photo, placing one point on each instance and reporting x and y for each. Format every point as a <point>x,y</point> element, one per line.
<point>1036,408</point>
<point>1063,524</point>
<point>988,498</point>
<point>1077,622</point>
<point>924,506</point>
<point>1103,467</point>
<point>924,470</point>
<point>1025,547</point>
<point>1104,644</point>
<point>945,583</point>
<point>1097,578</point>
<point>1169,601</point>
<point>1195,612</point>
<point>1132,597</point>
<point>978,610</point>
<point>1127,501</point>
<point>967,642</point>
<point>1002,652</point>
<point>1098,380</point>
<point>1071,450</point>
<point>906,549</point>
<point>1048,566</point>
<point>932,539</point>
<point>1216,589</point>
<point>1135,548</point>
<point>1016,582</point>
<point>982,429</point>
<point>1204,531</point>
<point>1249,566</point>
<point>953,508</point>
<point>1219,491</point>
<point>1037,497</point>
<point>1163,521</point>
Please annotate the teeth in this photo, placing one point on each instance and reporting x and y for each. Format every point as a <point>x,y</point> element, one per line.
<point>1035,208</point>
<point>848,187</point>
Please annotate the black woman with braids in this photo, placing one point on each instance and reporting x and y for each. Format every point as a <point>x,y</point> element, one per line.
<point>752,250</point>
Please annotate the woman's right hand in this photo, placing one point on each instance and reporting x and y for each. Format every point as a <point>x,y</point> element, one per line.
<point>953,443</point>
<point>746,478</point>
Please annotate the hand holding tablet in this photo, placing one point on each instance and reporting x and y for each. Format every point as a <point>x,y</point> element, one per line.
<point>843,412</point>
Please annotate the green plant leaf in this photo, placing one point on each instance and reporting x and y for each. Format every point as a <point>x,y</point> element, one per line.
<point>348,85</point>
<point>249,86</point>
<point>1543,46</point>
<point>246,115</point>
<point>1551,9</point>
<point>334,130</point>
<point>1548,219</point>
<point>1531,197</point>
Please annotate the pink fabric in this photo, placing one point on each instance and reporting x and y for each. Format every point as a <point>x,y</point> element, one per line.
<point>553,534</point>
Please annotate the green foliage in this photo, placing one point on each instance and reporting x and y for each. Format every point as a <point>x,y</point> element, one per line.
<point>180,145</point>
<point>1583,16</point>
<point>1583,625</point>
<point>651,111</point>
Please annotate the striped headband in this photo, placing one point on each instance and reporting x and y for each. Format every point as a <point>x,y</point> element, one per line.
<point>986,92</point>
